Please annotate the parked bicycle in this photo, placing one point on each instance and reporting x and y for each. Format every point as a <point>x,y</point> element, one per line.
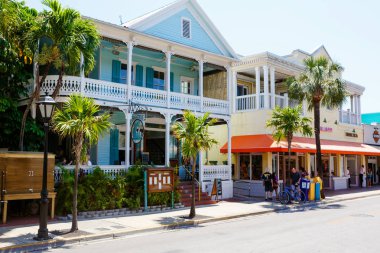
<point>288,195</point>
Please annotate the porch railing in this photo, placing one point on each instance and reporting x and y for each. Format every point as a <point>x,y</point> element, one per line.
<point>118,93</point>
<point>111,170</point>
<point>347,117</point>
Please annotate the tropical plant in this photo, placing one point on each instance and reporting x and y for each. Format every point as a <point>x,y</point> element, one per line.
<point>319,84</point>
<point>287,122</point>
<point>64,36</point>
<point>194,136</point>
<point>79,119</point>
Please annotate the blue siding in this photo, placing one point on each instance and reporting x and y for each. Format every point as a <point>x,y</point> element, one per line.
<point>147,59</point>
<point>171,29</point>
<point>104,150</point>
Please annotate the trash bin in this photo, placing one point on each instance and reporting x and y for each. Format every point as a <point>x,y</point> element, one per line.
<point>312,191</point>
<point>305,186</point>
<point>317,191</point>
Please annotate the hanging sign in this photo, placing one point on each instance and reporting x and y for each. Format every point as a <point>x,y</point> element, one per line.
<point>137,131</point>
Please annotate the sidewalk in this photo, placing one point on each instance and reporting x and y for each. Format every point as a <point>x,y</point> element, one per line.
<point>21,237</point>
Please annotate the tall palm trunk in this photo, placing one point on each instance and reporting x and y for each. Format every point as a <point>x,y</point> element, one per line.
<point>289,153</point>
<point>78,152</point>
<point>192,209</point>
<point>317,124</point>
<point>35,95</point>
<point>59,82</point>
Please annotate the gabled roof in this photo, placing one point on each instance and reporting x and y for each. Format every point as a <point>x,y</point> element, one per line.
<point>153,18</point>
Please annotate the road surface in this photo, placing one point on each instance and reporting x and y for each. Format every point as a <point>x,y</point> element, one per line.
<point>350,226</point>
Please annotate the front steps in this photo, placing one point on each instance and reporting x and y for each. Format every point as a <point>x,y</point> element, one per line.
<point>185,191</point>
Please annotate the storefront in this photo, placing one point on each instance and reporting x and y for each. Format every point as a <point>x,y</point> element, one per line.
<point>255,153</point>
<point>372,138</point>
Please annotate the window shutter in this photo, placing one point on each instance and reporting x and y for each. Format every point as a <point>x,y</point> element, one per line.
<point>139,75</point>
<point>149,77</point>
<point>116,65</point>
<point>114,147</point>
<point>171,81</point>
<point>186,28</point>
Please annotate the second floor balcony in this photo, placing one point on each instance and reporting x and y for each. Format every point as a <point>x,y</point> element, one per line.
<point>110,93</point>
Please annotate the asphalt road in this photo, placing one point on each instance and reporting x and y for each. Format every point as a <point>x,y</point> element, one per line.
<point>350,226</point>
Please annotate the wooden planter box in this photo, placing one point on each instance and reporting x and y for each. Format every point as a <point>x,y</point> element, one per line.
<point>21,177</point>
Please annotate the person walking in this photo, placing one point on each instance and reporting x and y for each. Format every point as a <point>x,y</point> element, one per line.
<point>275,184</point>
<point>267,182</point>
<point>369,178</point>
<point>361,176</point>
<point>349,177</point>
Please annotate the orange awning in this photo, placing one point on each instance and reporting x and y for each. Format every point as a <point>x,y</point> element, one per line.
<point>265,143</point>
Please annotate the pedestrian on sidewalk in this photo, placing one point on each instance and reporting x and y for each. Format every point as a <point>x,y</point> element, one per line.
<point>361,176</point>
<point>369,177</point>
<point>275,184</point>
<point>349,177</point>
<point>267,182</point>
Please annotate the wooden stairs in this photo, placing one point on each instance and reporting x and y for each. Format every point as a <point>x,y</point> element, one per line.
<point>185,191</point>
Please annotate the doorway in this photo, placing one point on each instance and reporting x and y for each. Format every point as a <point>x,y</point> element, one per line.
<point>351,164</point>
<point>372,164</point>
<point>284,171</point>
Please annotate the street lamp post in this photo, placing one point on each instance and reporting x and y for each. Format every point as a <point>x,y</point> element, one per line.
<point>46,105</point>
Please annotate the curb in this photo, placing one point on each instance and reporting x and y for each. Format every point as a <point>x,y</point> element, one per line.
<point>59,242</point>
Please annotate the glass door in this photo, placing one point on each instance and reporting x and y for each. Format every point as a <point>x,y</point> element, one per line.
<point>244,166</point>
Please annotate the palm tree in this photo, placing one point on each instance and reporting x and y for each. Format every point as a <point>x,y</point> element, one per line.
<point>319,84</point>
<point>69,36</point>
<point>286,123</point>
<point>78,119</point>
<point>194,136</point>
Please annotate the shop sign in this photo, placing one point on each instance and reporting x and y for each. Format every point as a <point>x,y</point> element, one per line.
<point>326,129</point>
<point>160,180</point>
<point>371,134</point>
<point>351,134</point>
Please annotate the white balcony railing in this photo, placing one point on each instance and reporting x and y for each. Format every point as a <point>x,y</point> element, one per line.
<point>348,117</point>
<point>118,93</point>
<point>248,102</point>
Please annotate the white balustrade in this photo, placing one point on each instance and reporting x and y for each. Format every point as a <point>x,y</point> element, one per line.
<point>105,90</point>
<point>245,103</point>
<point>280,101</point>
<point>116,92</point>
<point>215,105</point>
<point>210,172</point>
<point>348,117</point>
<point>147,96</point>
<point>110,170</point>
<point>180,101</point>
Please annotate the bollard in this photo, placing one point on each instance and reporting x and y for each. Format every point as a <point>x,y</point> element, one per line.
<point>317,191</point>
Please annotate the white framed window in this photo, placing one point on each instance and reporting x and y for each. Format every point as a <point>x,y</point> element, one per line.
<point>186,28</point>
<point>187,85</point>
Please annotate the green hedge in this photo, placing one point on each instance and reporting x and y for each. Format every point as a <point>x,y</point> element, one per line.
<point>99,191</point>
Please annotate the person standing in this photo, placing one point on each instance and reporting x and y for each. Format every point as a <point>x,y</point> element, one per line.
<point>369,178</point>
<point>361,176</point>
<point>349,177</point>
<point>275,184</point>
<point>267,182</point>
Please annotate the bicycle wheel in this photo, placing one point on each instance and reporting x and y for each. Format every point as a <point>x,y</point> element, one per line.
<point>300,197</point>
<point>284,197</point>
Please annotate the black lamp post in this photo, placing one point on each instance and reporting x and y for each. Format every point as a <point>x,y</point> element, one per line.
<point>46,105</point>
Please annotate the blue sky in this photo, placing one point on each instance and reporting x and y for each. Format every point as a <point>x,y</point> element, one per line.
<point>350,30</point>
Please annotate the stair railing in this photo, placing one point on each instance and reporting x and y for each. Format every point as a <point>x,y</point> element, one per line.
<point>199,184</point>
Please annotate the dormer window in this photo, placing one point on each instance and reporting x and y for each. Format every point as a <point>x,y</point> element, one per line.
<point>186,28</point>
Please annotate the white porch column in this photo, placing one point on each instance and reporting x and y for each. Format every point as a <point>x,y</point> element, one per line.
<point>272,87</point>
<point>200,82</point>
<point>286,100</point>
<point>129,69</point>
<point>36,80</point>
<point>234,90</point>
<point>168,56</point>
<point>257,69</point>
<point>229,147</point>
<point>359,111</point>
<point>266,87</point>
<point>352,103</point>
<point>168,120</point>
<point>230,75</point>
<point>81,66</point>
<point>128,118</point>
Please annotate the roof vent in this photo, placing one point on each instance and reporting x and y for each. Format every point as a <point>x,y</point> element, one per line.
<point>186,28</point>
